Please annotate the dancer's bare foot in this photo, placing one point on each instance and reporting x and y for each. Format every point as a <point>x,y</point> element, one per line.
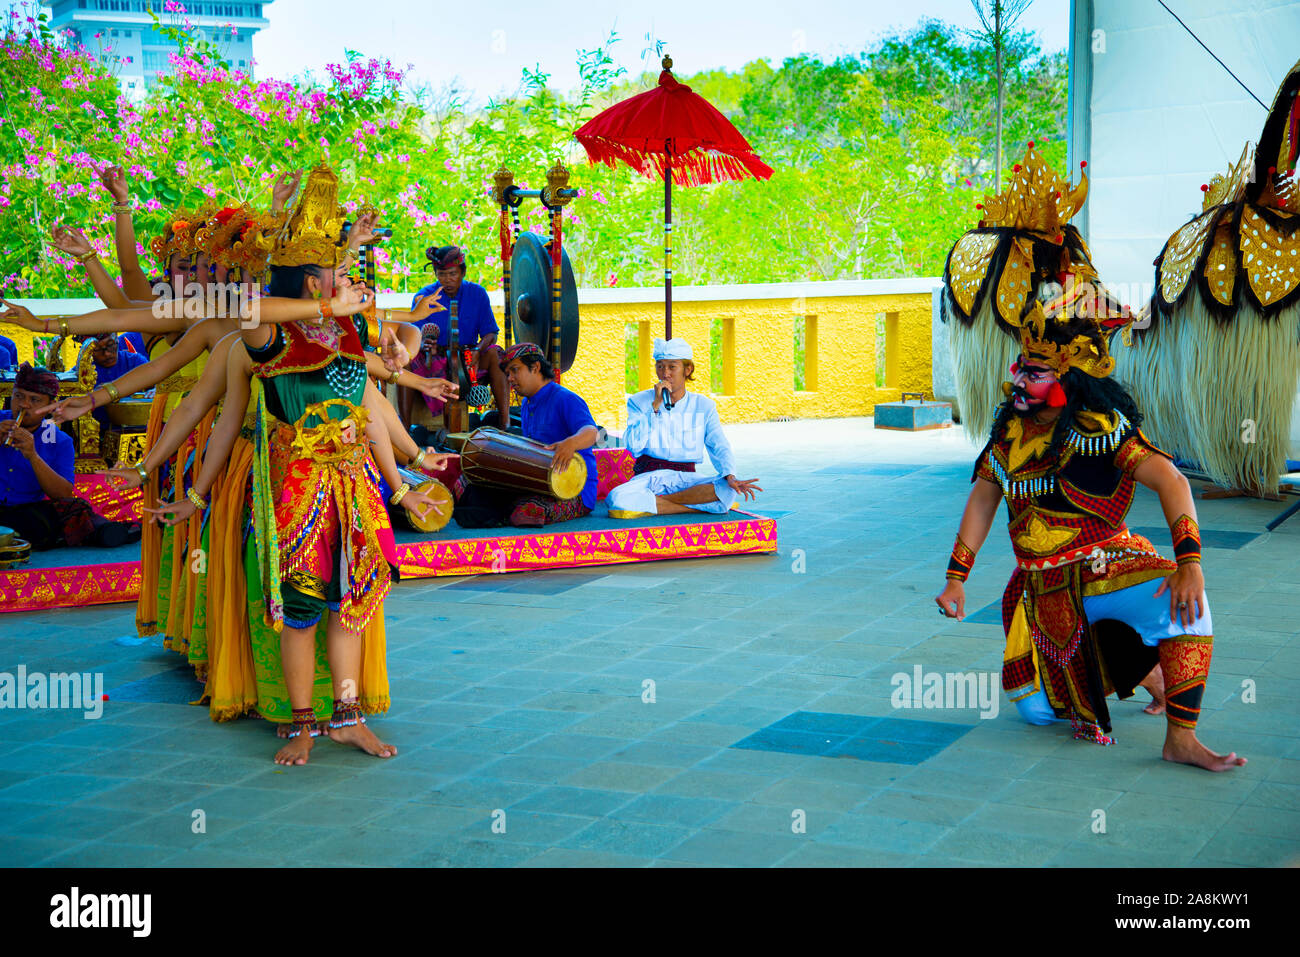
<point>1155,683</point>
<point>296,751</point>
<point>359,736</point>
<point>1181,745</point>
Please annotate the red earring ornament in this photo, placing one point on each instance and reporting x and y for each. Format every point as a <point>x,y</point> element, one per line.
<point>1056,396</point>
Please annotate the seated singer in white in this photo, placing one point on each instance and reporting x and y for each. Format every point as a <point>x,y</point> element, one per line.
<point>669,439</point>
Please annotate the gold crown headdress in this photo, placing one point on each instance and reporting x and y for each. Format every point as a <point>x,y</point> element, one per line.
<point>215,236</point>
<point>250,248</point>
<point>310,237</point>
<point>1037,201</point>
<point>178,236</point>
<point>1088,352</point>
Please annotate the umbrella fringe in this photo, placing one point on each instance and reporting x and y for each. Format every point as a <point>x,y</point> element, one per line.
<point>696,167</point>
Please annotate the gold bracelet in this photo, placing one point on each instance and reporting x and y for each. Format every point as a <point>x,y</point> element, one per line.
<point>196,499</point>
<point>140,471</point>
<point>397,374</point>
<point>401,491</point>
<point>418,460</point>
<point>85,258</point>
<point>113,395</point>
<point>123,207</point>
<point>63,327</point>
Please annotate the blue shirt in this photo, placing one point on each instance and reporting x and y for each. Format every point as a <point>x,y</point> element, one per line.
<point>8,353</point>
<point>552,415</point>
<point>18,484</point>
<point>126,361</point>
<point>136,340</point>
<point>474,318</point>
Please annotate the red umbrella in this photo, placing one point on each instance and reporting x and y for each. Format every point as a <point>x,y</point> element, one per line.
<point>670,132</point>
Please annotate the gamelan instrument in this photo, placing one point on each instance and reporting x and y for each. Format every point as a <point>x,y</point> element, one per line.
<point>14,552</point>
<point>456,411</point>
<point>504,460</point>
<point>541,298</point>
<point>435,490</point>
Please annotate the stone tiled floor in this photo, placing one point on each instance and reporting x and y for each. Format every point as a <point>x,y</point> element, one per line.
<point>525,705</point>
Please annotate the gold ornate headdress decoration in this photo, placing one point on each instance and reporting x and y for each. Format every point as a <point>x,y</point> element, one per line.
<point>215,235</point>
<point>1089,351</point>
<point>310,238</point>
<point>1229,187</point>
<point>178,236</point>
<point>1037,201</point>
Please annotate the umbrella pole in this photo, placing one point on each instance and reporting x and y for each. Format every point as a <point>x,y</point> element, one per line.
<point>557,220</point>
<point>668,244</point>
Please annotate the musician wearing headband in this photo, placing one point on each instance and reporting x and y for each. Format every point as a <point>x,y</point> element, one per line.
<point>476,325</point>
<point>37,495</point>
<point>1082,613</point>
<point>670,430</point>
<point>558,418</point>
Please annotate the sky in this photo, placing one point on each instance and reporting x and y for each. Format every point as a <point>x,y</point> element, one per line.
<point>482,46</point>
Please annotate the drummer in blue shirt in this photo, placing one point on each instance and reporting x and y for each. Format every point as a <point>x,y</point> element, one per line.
<point>476,326</point>
<point>560,420</point>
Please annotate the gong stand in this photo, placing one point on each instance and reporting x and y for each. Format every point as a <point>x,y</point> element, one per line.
<point>554,197</point>
<point>509,198</point>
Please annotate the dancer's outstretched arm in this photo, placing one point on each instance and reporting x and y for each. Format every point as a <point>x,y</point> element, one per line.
<point>183,419</point>
<point>134,284</point>
<point>203,337</point>
<point>976,520</point>
<point>221,443</point>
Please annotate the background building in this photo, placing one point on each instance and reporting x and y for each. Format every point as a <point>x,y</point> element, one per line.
<point>138,50</point>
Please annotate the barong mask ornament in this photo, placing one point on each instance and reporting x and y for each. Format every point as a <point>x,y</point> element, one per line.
<point>1224,333</point>
<point>1246,241</point>
<point>1017,244</point>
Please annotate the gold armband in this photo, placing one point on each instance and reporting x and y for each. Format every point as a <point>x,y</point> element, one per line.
<point>113,395</point>
<point>85,258</point>
<point>196,499</point>
<point>418,460</point>
<point>400,493</point>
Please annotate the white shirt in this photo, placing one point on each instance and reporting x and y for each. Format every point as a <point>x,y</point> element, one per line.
<point>680,434</point>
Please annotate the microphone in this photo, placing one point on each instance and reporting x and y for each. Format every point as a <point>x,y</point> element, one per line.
<point>667,399</point>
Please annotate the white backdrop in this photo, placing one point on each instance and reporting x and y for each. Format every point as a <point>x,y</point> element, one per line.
<point>1156,116</point>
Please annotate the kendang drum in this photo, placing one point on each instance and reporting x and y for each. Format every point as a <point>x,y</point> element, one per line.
<point>503,460</point>
<point>439,493</point>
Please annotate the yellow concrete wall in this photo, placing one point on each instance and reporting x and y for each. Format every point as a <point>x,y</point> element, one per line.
<point>764,361</point>
<point>762,366</point>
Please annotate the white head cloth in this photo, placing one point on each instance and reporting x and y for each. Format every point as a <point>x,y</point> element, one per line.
<point>673,349</point>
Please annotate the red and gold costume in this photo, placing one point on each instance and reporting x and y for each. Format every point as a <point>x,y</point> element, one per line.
<point>324,487</point>
<point>1066,521</point>
<point>1066,504</point>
